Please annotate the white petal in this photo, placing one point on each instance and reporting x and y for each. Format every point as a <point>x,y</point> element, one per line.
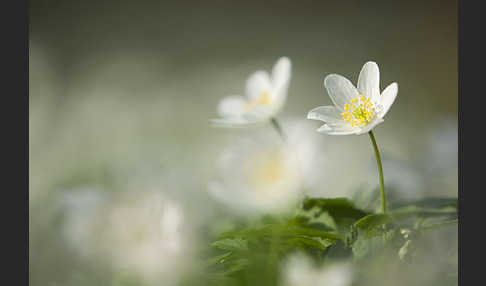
<point>281,74</point>
<point>259,113</point>
<point>257,83</point>
<point>325,113</point>
<point>340,89</point>
<point>388,97</point>
<point>370,126</point>
<point>336,130</point>
<point>232,106</point>
<point>369,81</point>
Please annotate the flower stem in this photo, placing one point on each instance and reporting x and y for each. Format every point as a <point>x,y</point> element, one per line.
<point>380,171</point>
<point>277,127</point>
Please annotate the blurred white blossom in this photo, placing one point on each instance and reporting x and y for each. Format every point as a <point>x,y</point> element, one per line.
<point>261,173</point>
<point>265,96</point>
<point>299,270</point>
<point>141,232</point>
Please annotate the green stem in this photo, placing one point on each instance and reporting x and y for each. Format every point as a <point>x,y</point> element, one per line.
<point>380,171</point>
<point>277,127</point>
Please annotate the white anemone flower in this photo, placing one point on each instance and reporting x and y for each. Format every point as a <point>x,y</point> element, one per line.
<point>140,232</point>
<point>299,270</point>
<point>258,176</point>
<point>356,110</point>
<point>265,96</point>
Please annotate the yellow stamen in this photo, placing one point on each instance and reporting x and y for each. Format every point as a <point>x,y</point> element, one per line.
<point>264,99</point>
<point>358,115</point>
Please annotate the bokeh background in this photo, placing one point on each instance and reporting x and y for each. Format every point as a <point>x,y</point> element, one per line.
<point>121,94</point>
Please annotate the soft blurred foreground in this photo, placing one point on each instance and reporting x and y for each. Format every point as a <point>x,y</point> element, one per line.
<point>131,185</point>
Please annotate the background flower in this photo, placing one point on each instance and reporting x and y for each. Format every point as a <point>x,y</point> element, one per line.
<point>258,174</point>
<point>142,233</point>
<point>299,270</point>
<point>265,96</point>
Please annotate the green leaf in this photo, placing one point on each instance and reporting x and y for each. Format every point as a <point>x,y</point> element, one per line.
<point>236,265</point>
<point>279,230</point>
<point>298,230</point>
<point>371,224</point>
<point>316,218</point>
<point>429,207</point>
<point>308,242</point>
<point>235,244</point>
<point>372,220</point>
<point>338,208</point>
<point>218,259</point>
<point>428,203</point>
<point>366,246</point>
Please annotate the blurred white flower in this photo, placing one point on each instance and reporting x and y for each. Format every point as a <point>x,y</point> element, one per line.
<point>312,154</point>
<point>259,175</point>
<point>355,110</point>
<point>265,96</point>
<point>299,270</point>
<point>143,233</point>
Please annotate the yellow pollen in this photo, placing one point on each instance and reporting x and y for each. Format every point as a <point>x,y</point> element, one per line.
<point>360,114</point>
<point>263,99</point>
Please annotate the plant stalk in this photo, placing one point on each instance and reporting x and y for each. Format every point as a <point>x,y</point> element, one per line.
<point>380,171</point>
<point>277,127</point>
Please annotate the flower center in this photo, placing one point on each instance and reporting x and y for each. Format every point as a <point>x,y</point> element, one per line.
<point>264,99</point>
<point>359,112</point>
<point>268,170</point>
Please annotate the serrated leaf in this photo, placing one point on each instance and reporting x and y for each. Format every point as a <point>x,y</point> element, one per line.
<point>236,265</point>
<point>218,259</point>
<point>315,218</point>
<point>231,244</point>
<point>281,230</point>
<point>298,230</point>
<point>308,242</point>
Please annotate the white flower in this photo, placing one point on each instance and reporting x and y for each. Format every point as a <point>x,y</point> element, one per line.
<point>265,96</point>
<point>299,270</point>
<point>145,234</point>
<point>355,110</point>
<point>142,232</point>
<point>258,175</point>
